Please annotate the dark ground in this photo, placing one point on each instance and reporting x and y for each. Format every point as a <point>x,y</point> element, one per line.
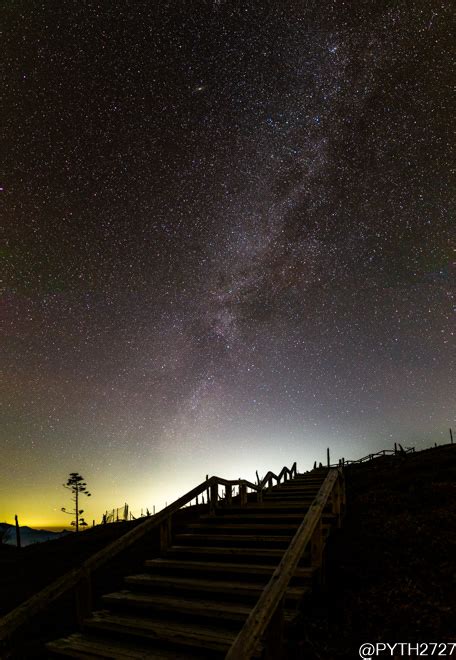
<point>391,570</point>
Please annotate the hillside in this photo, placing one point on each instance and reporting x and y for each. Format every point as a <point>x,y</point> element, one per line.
<point>28,535</point>
<point>392,568</point>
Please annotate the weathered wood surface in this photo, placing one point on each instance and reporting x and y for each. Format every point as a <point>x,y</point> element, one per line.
<point>271,597</point>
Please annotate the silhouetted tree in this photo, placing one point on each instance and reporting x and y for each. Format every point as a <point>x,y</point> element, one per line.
<point>78,487</point>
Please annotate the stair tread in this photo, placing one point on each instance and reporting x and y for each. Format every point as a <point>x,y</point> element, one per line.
<point>211,567</point>
<point>251,516</point>
<point>259,506</point>
<point>242,526</point>
<point>211,550</point>
<point>254,538</point>
<point>188,605</point>
<point>214,586</point>
<point>92,647</point>
<point>220,517</point>
<point>195,634</point>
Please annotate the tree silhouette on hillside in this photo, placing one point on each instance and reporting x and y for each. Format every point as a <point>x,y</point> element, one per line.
<point>78,487</point>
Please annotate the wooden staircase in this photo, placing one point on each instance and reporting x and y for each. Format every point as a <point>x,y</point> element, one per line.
<point>193,600</point>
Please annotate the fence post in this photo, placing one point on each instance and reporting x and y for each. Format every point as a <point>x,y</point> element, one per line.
<point>18,532</point>
<point>243,494</point>
<point>451,436</point>
<point>327,458</point>
<point>260,495</point>
<point>214,498</point>
<point>229,494</point>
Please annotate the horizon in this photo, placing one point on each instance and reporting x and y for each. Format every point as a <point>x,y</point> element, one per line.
<point>53,525</point>
<point>227,247</point>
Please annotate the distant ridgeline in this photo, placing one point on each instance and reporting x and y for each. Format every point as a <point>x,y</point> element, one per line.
<point>28,535</point>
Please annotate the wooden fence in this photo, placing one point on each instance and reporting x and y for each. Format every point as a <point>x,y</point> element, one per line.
<point>398,449</point>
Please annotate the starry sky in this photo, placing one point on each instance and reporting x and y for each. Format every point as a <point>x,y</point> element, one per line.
<point>228,241</point>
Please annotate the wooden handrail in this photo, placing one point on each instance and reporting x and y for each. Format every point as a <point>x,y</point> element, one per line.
<point>291,472</point>
<point>14,620</point>
<point>369,457</point>
<point>273,594</point>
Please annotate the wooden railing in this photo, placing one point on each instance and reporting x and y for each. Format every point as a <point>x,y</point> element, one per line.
<point>266,618</point>
<point>80,579</point>
<point>384,452</point>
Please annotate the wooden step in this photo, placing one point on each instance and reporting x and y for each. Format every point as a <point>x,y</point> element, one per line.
<point>180,606</point>
<point>92,647</point>
<point>248,539</point>
<point>241,527</point>
<point>284,517</point>
<point>263,507</point>
<point>255,553</point>
<point>301,485</point>
<point>195,636</point>
<point>231,613</point>
<point>290,494</point>
<point>218,588</point>
<point>224,514</point>
<point>242,530</point>
<point>213,568</point>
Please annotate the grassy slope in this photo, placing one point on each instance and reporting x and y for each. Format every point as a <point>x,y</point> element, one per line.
<point>392,569</point>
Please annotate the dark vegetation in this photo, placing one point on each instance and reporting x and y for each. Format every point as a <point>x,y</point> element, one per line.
<point>77,486</point>
<point>391,571</point>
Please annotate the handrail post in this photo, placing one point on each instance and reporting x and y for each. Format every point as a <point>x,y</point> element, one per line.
<point>229,494</point>
<point>260,496</point>
<point>243,494</point>
<point>214,498</point>
<point>83,596</point>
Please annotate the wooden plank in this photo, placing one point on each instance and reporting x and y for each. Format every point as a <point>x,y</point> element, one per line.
<point>213,567</point>
<point>214,550</point>
<point>242,527</point>
<point>230,538</point>
<point>234,611</point>
<point>195,585</point>
<point>82,646</point>
<point>194,635</point>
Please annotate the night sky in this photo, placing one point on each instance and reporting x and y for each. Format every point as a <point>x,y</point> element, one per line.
<point>229,241</point>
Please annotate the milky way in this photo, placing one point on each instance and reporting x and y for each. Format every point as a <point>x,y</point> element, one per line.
<point>228,240</point>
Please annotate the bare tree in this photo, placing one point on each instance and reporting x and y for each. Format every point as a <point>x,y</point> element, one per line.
<point>78,487</point>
